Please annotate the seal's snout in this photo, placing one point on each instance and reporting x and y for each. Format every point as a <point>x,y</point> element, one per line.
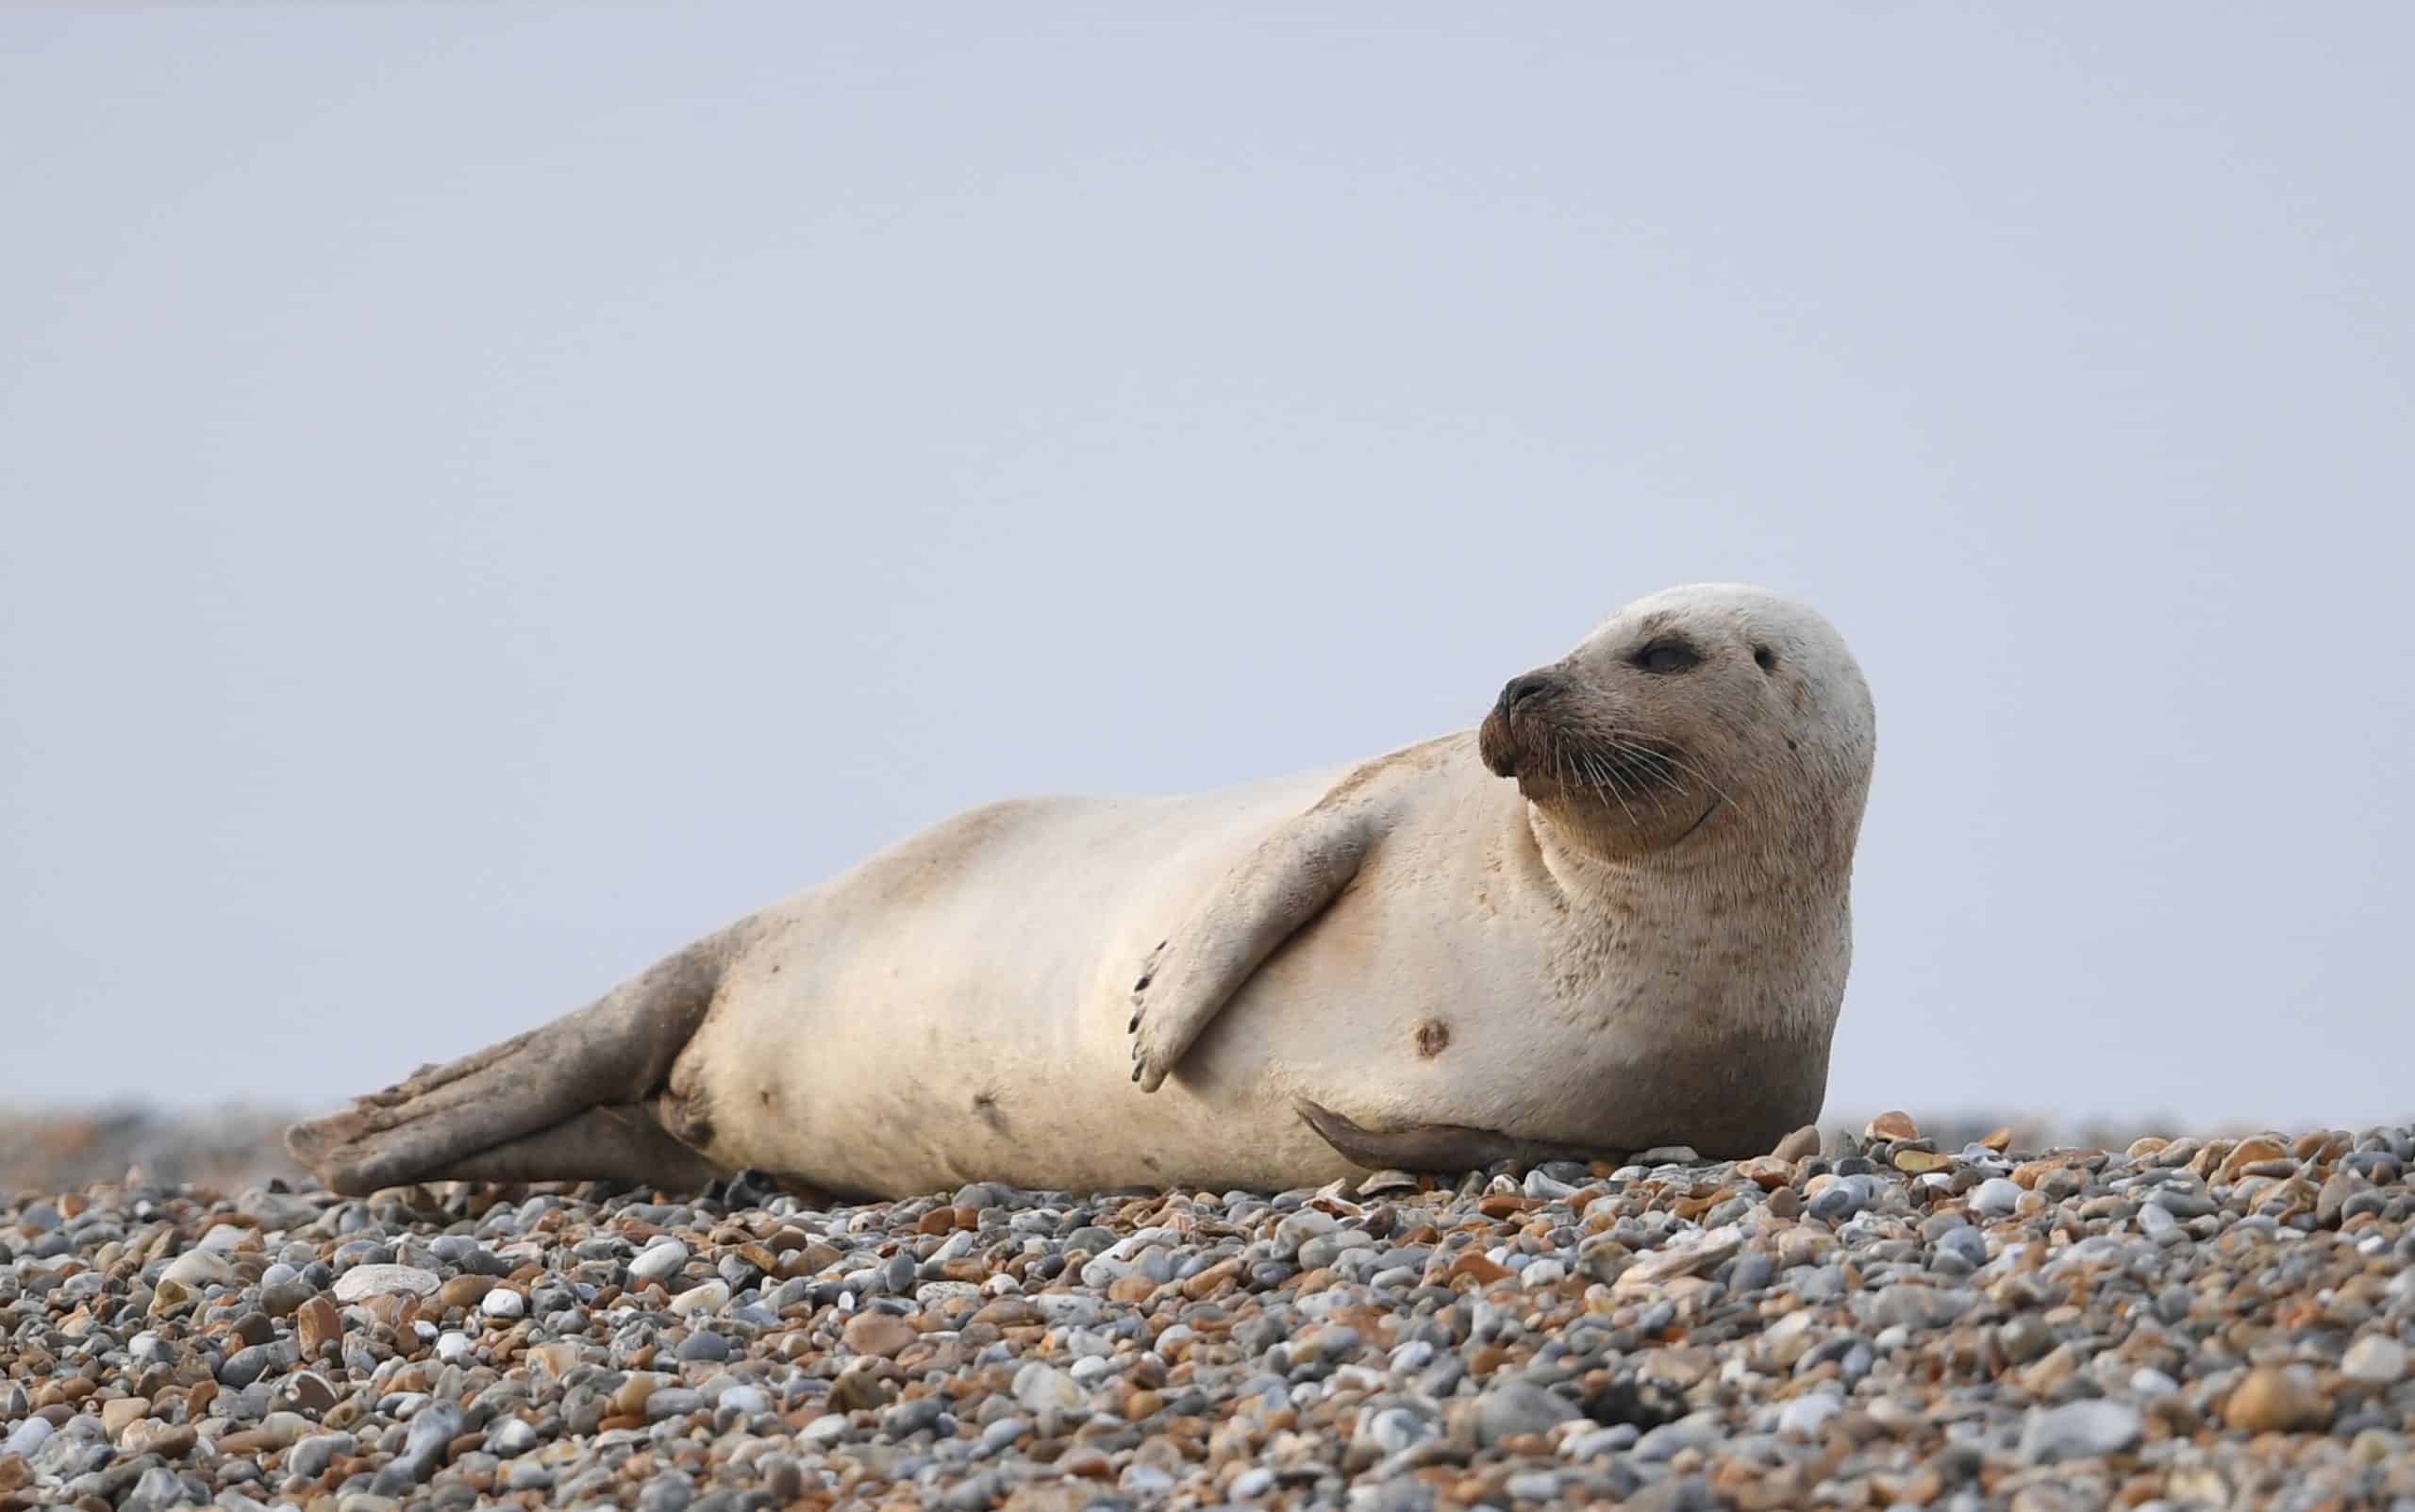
<point>1522,696</point>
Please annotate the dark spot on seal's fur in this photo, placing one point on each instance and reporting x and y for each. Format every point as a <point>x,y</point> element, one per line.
<point>986,1105</point>
<point>1433,1038</point>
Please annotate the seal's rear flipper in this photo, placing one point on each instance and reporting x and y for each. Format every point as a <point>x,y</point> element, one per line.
<point>1432,1147</point>
<point>573,1099</point>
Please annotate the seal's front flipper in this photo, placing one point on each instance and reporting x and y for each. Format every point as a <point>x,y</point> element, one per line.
<point>570,1100</point>
<point>1286,882</point>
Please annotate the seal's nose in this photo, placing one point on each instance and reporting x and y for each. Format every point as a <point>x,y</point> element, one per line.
<point>1521,688</point>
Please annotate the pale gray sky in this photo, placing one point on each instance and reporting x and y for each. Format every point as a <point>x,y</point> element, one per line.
<point>491,493</point>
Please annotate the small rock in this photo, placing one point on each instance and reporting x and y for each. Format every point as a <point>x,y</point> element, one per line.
<point>1894,1125</point>
<point>1995,1197</point>
<point>2080,1430</point>
<point>1039,1386</point>
<point>2271,1400</point>
<point>703,1300</point>
<point>1706,1251</point>
<point>883,1334</point>
<point>2377,1359</point>
<point>316,1323</point>
<point>1805,1415</point>
<point>311,1457</point>
<point>1668,1154</point>
<point>364,1281</point>
<point>660,1261</point>
<point>198,1268</point>
<point>159,1490</point>
<point>1516,1407</point>
<point>308,1392</point>
<point>116,1415</point>
<point>503,1302</point>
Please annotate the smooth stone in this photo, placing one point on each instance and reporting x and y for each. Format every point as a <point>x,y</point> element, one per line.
<point>660,1261</point>
<point>2270,1399</point>
<point>1000,1435</point>
<point>311,1457</point>
<point>2377,1359</point>
<point>743,1402</point>
<point>199,1268</point>
<point>159,1488</point>
<point>875,1331</point>
<point>1805,1415</point>
<point>117,1415</point>
<point>512,1438</point>
<point>1517,1407</point>
<point>364,1281</point>
<point>1672,1439</point>
<point>707,1347</point>
<point>710,1297</point>
<point>1039,1386</point>
<point>27,1437</point>
<point>674,1401</point>
<point>1995,1197</point>
<point>2080,1430</point>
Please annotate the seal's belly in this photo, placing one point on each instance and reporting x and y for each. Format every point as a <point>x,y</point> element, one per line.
<point>956,1010</point>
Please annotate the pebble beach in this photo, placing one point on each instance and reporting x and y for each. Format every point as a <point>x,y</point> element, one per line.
<point>1870,1316</point>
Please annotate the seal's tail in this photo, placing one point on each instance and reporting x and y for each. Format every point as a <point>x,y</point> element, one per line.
<point>573,1100</point>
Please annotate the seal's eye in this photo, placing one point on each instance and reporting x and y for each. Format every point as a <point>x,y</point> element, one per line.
<point>1765,658</point>
<point>1669,654</point>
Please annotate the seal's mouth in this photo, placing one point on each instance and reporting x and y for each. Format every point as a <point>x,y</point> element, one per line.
<point>1517,723</point>
<point>1499,749</point>
<point>1530,734</point>
<point>1712,808</point>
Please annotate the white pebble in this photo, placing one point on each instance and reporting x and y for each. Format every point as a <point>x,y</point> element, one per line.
<point>1806,1415</point>
<point>710,1297</point>
<point>198,1268</point>
<point>1039,1386</point>
<point>378,1280</point>
<point>1996,1197</point>
<point>2377,1359</point>
<point>660,1261</point>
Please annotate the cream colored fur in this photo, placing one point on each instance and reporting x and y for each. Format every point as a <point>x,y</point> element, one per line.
<point>1548,957</point>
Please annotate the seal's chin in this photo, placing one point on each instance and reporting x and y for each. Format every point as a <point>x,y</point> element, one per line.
<point>1499,749</point>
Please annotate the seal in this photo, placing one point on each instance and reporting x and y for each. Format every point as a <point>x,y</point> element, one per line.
<point>1640,938</point>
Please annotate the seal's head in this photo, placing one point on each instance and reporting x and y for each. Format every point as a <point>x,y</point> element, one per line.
<point>1712,721</point>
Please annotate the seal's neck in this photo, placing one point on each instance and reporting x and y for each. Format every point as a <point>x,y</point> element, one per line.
<point>1780,931</point>
<point>1708,869</point>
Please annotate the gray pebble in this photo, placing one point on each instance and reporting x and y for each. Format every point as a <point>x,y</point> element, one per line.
<point>1516,1407</point>
<point>2079,1430</point>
